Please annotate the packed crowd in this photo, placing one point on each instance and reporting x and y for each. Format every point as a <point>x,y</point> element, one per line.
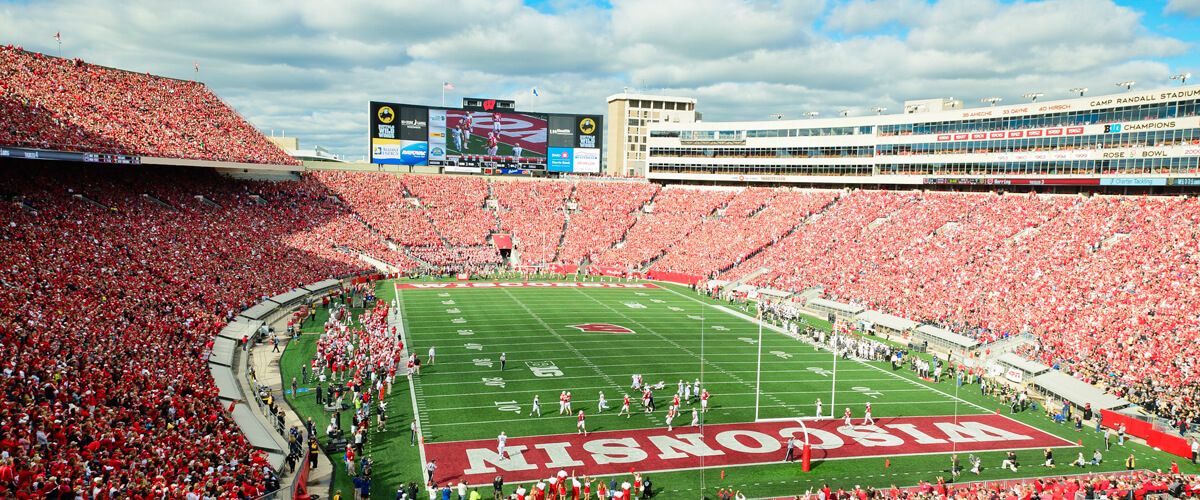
<point>674,214</point>
<point>1096,279</point>
<point>534,214</point>
<point>70,105</point>
<point>108,320</point>
<point>606,212</point>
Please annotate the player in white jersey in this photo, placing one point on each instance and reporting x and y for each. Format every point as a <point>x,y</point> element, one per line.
<point>603,404</point>
<point>687,393</point>
<point>637,382</point>
<point>679,388</point>
<point>867,420</point>
<point>458,138</point>
<point>696,388</point>
<point>537,406</point>
<point>501,440</point>
<point>695,417</point>
<point>517,150</point>
<point>820,408</point>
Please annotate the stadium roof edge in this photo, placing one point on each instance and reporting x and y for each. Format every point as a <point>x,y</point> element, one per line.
<point>652,97</point>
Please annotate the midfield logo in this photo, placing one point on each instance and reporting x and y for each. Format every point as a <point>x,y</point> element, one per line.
<point>601,328</point>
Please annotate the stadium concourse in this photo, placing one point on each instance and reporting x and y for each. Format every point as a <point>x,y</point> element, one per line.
<point>116,279</point>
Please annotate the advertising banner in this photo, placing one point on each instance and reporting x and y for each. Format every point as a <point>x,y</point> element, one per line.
<point>437,136</point>
<point>587,132</point>
<point>561,160</point>
<point>385,151</point>
<point>562,131</point>
<point>587,160</point>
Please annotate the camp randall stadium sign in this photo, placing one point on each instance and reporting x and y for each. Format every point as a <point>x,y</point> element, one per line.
<point>727,445</point>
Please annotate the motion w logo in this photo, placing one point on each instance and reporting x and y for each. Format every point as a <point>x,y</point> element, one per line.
<point>489,104</point>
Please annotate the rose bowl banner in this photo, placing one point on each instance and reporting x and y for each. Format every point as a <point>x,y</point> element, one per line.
<point>725,445</point>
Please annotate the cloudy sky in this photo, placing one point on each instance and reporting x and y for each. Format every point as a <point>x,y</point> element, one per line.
<point>309,67</point>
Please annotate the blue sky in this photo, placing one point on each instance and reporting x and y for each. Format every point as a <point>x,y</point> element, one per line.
<point>309,67</point>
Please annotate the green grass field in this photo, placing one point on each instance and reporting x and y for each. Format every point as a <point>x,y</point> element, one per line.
<point>680,335</point>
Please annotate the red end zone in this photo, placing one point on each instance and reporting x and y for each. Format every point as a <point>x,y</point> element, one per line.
<point>647,450</point>
<point>520,284</point>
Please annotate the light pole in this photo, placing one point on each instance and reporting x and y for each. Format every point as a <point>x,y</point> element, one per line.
<point>1127,84</point>
<point>1080,90</point>
<point>1182,77</point>
<point>1033,96</point>
<point>811,114</point>
<point>991,100</point>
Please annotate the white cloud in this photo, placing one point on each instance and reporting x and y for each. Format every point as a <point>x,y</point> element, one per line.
<point>309,67</point>
<point>1185,7</point>
<point>858,16</point>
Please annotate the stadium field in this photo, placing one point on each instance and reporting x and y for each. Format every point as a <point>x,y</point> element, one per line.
<point>592,337</point>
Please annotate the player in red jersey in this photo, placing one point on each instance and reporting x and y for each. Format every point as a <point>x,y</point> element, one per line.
<point>704,401</point>
<point>625,407</point>
<point>493,143</point>
<point>496,123</point>
<point>581,425</point>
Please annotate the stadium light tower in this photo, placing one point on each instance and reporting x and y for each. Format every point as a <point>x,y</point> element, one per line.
<point>879,110</point>
<point>991,100</point>
<point>1182,77</point>
<point>811,114</point>
<point>1081,90</point>
<point>775,116</point>
<point>1033,96</point>
<point>1127,84</point>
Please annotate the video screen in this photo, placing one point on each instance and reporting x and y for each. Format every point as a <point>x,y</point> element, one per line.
<point>480,138</point>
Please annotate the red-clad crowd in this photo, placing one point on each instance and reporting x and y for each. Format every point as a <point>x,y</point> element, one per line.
<point>606,212</point>
<point>753,219</point>
<point>1108,284</point>
<point>381,202</point>
<point>455,206</point>
<point>109,314</point>
<point>674,214</point>
<point>534,214</point>
<point>69,105</point>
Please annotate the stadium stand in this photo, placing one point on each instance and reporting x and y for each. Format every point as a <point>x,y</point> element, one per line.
<point>70,105</point>
<point>534,212</point>
<point>606,211</point>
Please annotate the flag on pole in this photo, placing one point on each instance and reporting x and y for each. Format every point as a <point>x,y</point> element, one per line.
<point>196,66</point>
<point>58,36</point>
<point>535,92</point>
<point>447,86</point>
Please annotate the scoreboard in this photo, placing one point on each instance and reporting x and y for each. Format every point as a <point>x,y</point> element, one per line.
<point>471,141</point>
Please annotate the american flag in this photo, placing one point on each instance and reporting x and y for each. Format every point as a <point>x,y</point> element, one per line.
<point>447,86</point>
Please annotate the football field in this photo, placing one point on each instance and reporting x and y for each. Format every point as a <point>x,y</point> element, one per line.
<point>592,337</point>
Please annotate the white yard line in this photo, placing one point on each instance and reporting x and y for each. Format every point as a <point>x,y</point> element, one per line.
<point>781,331</point>
<point>412,391</point>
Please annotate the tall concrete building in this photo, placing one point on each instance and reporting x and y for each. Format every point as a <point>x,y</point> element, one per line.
<point>628,117</point>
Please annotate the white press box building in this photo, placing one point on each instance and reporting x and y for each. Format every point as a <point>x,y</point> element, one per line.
<point>1149,138</point>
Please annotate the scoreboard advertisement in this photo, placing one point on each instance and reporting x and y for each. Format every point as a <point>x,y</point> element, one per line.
<point>469,141</point>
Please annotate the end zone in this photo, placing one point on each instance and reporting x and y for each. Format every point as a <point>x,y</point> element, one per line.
<point>730,445</point>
